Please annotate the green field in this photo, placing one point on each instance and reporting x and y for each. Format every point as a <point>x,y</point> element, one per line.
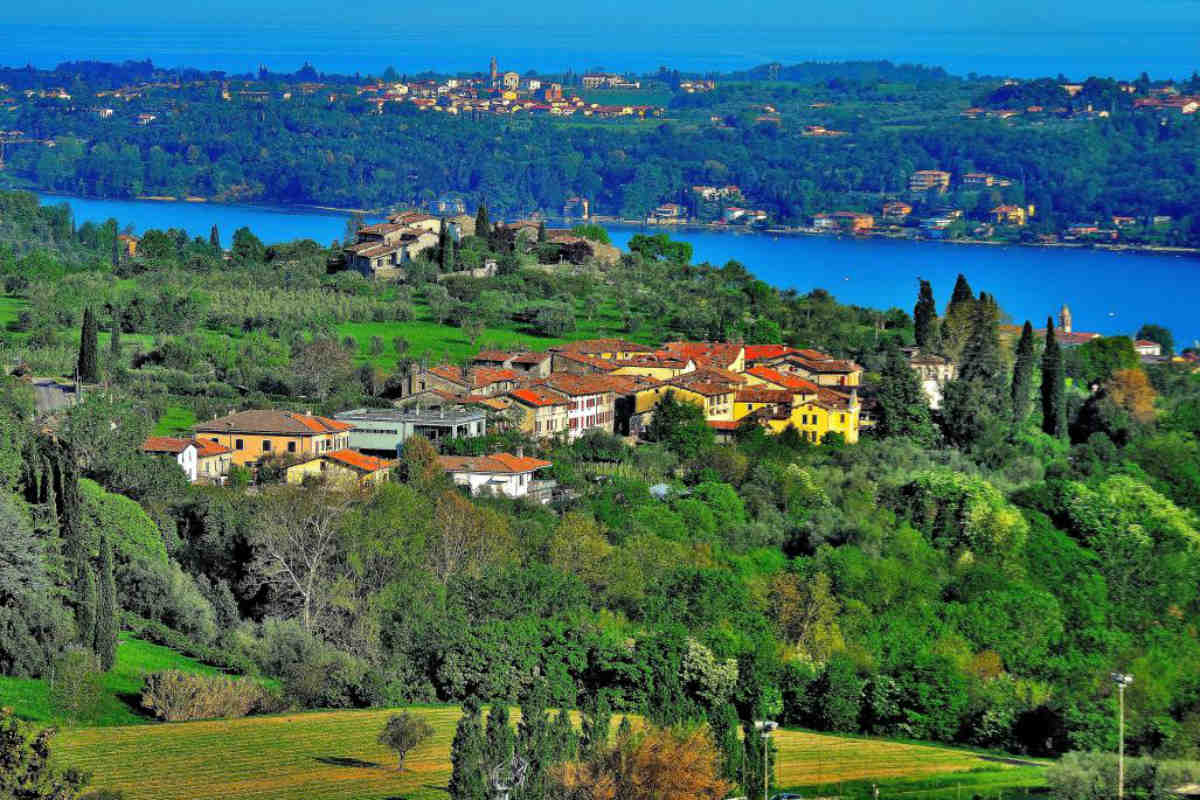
<point>446,341</point>
<point>177,421</point>
<point>335,755</point>
<point>30,699</point>
<point>10,309</point>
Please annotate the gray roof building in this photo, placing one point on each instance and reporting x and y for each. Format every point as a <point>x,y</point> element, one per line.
<point>384,430</point>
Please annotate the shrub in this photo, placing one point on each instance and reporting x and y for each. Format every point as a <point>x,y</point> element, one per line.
<point>177,696</point>
<point>77,684</point>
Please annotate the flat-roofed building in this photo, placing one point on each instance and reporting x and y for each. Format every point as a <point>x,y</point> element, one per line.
<point>385,430</point>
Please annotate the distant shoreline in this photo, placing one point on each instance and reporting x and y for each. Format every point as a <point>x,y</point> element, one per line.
<point>708,227</point>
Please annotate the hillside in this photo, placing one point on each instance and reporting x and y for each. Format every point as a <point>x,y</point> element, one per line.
<point>335,755</point>
<point>30,699</point>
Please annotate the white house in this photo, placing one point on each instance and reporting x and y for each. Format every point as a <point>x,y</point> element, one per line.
<point>500,473</point>
<point>1145,347</point>
<point>182,450</point>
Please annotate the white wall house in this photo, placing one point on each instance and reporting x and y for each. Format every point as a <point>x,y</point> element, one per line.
<point>497,474</point>
<point>182,450</point>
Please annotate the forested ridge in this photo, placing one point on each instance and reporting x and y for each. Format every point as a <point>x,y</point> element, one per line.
<point>310,150</point>
<point>972,575</point>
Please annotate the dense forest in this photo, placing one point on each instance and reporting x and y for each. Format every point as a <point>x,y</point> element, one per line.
<point>314,151</point>
<point>972,575</point>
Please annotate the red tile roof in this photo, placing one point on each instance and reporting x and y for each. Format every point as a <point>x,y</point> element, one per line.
<point>723,425</point>
<point>485,376</point>
<point>208,449</point>
<point>577,385</point>
<point>715,354</point>
<point>783,379</point>
<point>761,394</point>
<point>760,352</point>
<point>706,388</point>
<point>539,396</point>
<point>272,422</point>
<point>166,444</point>
<point>358,461</point>
<point>503,463</point>
<point>592,361</point>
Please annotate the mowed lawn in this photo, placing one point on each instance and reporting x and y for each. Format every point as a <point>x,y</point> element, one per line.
<point>335,755</point>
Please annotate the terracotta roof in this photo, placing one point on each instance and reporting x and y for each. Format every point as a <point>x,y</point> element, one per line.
<point>813,355</point>
<point>825,365</point>
<point>758,352</point>
<point>358,461</point>
<point>576,385</point>
<point>706,388</point>
<point>715,374</point>
<point>592,361</point>
<point>783,379</point>
<point>539,396</point>
<point>723,425</point>
<point>1145,343</point>
<point>449,372</point>
<point>760,394</point>
<point>272,421</point>
<point>533,357</point>
<point>485,376</point>
<point>208,449</point>
<point>503,463</point>
<point>166,444</point>
<point>716,354</point>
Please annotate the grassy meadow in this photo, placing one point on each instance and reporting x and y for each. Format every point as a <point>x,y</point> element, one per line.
<point>30,699</point>
<point>334,754</point>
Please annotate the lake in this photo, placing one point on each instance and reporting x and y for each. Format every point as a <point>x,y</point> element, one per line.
<point>627,42</point>
<point>1109,293</point>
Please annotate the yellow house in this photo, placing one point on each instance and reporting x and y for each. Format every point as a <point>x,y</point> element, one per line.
<point>253,435</point>
<point>830,413</point>
<point>1009,215</point>
<point>346,468</point>
<point>716,400</point>
<point>752,399</point>
<point>544,412</point>
<point>660,369</point>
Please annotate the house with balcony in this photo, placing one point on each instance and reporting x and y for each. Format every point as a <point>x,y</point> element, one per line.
<point>501,474</point>
<point>925,179</point>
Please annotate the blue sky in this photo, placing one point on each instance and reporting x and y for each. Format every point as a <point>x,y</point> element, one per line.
<point>1020,15</point>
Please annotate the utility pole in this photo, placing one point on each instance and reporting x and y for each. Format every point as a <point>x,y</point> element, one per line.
<point>765,727</point>
<point>1122,680</point>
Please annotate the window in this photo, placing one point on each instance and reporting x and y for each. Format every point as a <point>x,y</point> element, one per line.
<point>292,447</point>
<point>266,445</point>
<point>238,444</point>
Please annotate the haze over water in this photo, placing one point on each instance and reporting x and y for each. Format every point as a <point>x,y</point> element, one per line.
<point>370,47</point>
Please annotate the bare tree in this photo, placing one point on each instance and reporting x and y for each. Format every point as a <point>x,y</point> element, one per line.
<point>295,547</point>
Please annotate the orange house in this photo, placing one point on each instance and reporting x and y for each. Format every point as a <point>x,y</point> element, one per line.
<point>254,435</point>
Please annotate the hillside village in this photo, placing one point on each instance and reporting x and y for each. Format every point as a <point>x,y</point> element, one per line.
<point>605,386</point>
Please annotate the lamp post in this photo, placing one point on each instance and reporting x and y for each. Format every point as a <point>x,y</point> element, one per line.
<point>1122,680</point>
<point>764,728</point>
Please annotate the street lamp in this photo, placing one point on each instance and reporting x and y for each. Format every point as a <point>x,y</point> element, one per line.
<point>1122,680</point>
<point>764,728</point>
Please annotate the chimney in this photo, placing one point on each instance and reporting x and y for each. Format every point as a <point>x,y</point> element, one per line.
<point>520,451</point>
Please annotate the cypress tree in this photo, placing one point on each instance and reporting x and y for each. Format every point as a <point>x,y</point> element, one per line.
<point>87,603</point>
<point>106,609</point>
<point>534,744</point>
<point>594,728</point>
<point>482,226</point>
<point>1022,380</point>
<point>467,778</point>
<point>564,741</point>
<point>116,251</point>
<point>541,232</point>
<point>498,744</point>
<point>981,355</point>
<point>114,339</point>
<point>1054,390</point>
<point>902,407</point>
<point>725,724</point>
<point>89,364</point>
<point>962,292</point>
<point>925,317</point>
<point>214,237</point>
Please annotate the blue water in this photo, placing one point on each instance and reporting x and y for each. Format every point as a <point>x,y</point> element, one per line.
<point>626,44</point>
<point>1109,293</point>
